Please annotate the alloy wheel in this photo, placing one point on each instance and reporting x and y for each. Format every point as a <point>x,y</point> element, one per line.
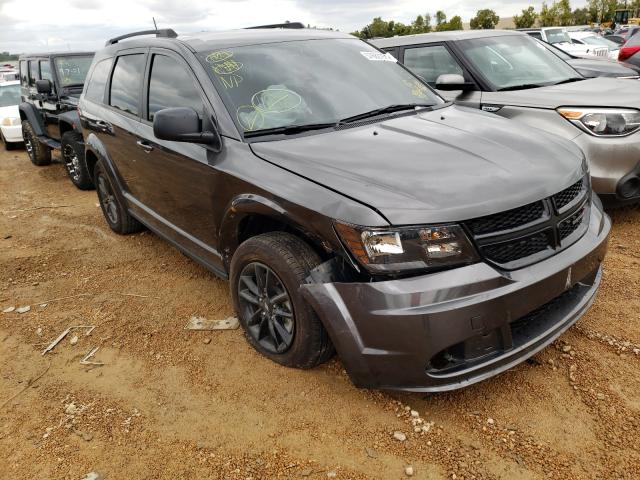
<point>107,199</point>
<point>266,308</point>
<point>71,161</point>
<point>28,145</point>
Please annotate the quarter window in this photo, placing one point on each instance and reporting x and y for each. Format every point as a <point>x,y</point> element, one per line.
<point>98,81</point>
<point>33,72</point>
<point>24,73</point>
<point>126,83</point>
<point>170,85</point>
<point>431,62</point>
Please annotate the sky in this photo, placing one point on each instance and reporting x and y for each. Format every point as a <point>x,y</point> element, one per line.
<point>61,25</point>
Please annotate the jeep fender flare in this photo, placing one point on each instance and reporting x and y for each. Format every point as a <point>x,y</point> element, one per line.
<point>28,112</point>
<point>69,121</point>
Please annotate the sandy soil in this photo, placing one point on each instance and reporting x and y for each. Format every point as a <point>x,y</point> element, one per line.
<point>172,404</point>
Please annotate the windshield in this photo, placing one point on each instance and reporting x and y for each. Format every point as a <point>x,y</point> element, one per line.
<point>557,35</point>
<point>601,42</point>
<point>507,62</point>
<point>9,95</point>
<point>309,82</point>
<point>72,70</point>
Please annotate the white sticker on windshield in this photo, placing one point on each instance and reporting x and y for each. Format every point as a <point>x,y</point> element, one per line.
<point>379,57</point>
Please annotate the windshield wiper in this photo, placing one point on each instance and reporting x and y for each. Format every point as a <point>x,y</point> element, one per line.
<point>569,80</point>
<point>524,86</point>
<point>288,130</point>
<point>383,110</point>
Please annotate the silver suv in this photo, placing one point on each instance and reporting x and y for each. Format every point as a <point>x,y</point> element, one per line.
<point>512,75</point>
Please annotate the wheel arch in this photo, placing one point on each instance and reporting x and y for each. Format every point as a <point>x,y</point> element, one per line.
<point>250,215</point>
<point>29,112</point>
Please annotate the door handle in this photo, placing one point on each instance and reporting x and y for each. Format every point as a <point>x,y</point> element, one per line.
<point>144,145</point>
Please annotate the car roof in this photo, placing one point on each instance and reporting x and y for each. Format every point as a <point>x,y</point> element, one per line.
<point>53,54</point>
<point>10,82</point>
<point>452,36</point>
<point>205,41</point>
<point>582,34</point>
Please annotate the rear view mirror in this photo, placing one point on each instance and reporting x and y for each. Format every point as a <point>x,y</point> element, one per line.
<point>43,87</point>
<point>452,82</point>
<point>183,125</point>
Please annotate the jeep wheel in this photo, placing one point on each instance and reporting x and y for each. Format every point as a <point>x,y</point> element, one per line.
<point>266,273</point>
<point>115,213</point>
<point>73,157</point>
<point>39,154</point>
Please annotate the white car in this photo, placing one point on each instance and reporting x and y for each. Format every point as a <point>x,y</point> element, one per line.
<point>559,37</point>
<point>10,124</point>
<point>590,39</point>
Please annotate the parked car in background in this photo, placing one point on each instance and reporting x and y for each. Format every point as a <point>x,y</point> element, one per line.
<point>591,39</point>
<point>51,85</point>
<point>617,39</point>
<point>432,245</point>
<point>559,37</point>
<point>10,126</point>
<point>592,67</point>
<point>627,31</point>
<point>514,76</point>
<point>630,51</point>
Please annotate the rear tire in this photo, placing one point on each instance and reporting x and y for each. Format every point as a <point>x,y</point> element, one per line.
<point>73,157</point>
<point>115,213</point>
<point>39,154</point>
<point>277,321</point>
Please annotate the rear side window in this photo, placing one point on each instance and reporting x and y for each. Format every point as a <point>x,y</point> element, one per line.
<point>24,73</point>
<point>431,62</point>
<point>98,81</point>
<point>126,83</point>
<point>33,72</point>
<point>634,41</point>
<point>170,85</point>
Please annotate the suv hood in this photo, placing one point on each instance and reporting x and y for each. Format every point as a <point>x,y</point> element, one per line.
<point>448,165</point>
<point>592,92</point>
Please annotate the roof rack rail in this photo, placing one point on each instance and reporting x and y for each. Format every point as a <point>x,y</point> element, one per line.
<point>280,25</point>
<point>161,33</point>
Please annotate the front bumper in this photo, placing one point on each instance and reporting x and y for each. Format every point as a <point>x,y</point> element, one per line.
<point>451,329</point>
<point>612,162</point>
<point>12,134</point>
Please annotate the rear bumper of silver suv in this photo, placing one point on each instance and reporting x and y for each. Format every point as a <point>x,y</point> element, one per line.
<point>451,329</point>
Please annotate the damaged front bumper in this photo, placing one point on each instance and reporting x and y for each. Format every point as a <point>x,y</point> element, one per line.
<point>451,329</point>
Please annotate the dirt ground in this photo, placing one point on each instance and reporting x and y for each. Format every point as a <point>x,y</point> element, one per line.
<point>174,404</point>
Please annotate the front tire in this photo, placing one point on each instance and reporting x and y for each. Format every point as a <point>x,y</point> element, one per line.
<point>73,157</point>
<point>114,211</point>
<point>39,154</point>
<point>266,274</point>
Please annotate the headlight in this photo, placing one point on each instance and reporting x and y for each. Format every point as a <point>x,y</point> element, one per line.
<point>10,121</point>
<point>604,122</point>
<point>406,249</point>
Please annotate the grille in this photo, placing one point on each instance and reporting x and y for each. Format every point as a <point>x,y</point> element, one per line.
<point>566,196</point>
<point>528,234</point>
<point>508,220</point>
<point>508,252</point>
<point>571,224</point>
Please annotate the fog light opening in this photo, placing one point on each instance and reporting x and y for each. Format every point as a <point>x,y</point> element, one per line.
<point>629,187</point>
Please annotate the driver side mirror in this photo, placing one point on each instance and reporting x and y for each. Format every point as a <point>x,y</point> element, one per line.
<point>183,125</point>
<point>453,82</point>
<point>43,87</point>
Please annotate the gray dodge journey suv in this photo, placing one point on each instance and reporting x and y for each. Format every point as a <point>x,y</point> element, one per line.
<point>349,205</point>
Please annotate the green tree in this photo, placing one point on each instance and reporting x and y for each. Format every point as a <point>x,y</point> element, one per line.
<point>603,10</point>
<point>581,16</point>
<point>527,19</point>
<point>564,15</point>
<point>456,23</point>
<point>422,24</point>
<point>441,17</point>
<point>485,20</point>
<point>548,15</point>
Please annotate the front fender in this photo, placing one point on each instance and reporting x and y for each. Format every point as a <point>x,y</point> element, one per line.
<point>69,121</point>
<point>30,113</point>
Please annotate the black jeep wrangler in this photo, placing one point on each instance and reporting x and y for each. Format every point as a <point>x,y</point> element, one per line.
<point>51,84</point>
